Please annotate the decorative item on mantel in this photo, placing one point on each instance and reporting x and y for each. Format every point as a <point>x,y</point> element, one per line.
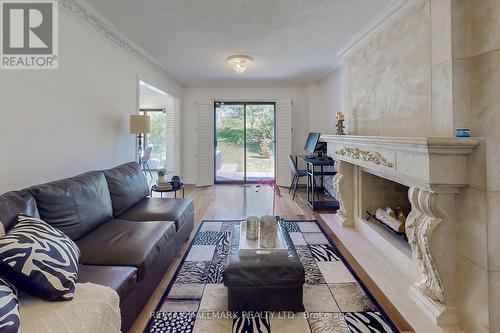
<point>252,227</point>
<point>340,123</point>
<point>462,132</point>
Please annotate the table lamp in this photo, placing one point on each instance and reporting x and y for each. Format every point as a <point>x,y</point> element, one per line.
<point>139,125</point>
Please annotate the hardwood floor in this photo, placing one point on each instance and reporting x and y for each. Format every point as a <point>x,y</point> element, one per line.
<point>221,202</point>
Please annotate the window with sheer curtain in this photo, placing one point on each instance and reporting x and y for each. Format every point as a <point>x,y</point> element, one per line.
<point>161,139</point>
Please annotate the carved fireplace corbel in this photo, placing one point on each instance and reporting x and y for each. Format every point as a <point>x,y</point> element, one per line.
<point>343,185</point>
<point>427,222</point>
<point>421,222</point>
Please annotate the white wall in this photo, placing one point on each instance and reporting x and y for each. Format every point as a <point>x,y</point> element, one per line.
<point>326,98</point>
<point>240,93</point>
<point>156,101</point>
<point>58,123</point>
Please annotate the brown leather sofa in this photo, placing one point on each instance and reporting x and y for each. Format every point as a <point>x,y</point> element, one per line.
<point>127,240</point>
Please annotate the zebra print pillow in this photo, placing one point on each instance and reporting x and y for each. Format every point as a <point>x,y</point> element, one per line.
<point>39,259</point>
<point>9,308</point>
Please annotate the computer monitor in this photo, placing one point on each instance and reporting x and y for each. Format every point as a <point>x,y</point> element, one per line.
<point>312,141</point>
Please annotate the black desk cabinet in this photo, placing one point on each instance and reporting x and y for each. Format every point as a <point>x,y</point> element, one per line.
<point>319,167</point>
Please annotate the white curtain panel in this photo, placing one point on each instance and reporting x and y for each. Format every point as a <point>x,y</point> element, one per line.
<point>205,152</point>
<point>283,141</point>
<point>170,145</point>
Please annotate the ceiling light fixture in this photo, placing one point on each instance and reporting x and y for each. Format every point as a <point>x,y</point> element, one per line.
<point>239,62</point>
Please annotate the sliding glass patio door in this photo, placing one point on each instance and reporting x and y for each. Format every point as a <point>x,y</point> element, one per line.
<point>244,142</point>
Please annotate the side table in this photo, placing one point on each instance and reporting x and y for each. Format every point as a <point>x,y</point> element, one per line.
<point>154,188</point>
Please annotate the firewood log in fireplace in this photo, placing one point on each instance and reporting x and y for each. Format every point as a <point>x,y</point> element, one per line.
<point>397,224</point>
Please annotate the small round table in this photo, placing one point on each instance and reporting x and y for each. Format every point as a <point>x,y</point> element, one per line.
<point>154,188</point>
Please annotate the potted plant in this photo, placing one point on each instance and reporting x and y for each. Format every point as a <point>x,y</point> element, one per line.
<point>161,175</point>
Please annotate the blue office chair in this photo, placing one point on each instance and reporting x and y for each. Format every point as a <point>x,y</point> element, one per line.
<point>297,174</point>
<point>144,161</point>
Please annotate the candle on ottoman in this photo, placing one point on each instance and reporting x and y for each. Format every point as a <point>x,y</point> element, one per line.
<point>252,227</point>
<point>268,231</point>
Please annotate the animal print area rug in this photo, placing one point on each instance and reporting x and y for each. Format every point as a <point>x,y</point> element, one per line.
<point>335,301</point>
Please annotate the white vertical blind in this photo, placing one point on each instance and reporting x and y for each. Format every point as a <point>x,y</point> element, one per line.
<point>283,141</point>
<point>170,162</point>
<point>205,152</point>
<point>177,136</point>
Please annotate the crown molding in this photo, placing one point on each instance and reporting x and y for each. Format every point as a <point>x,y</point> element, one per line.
<point>386,17</point>
<point>85,14</point>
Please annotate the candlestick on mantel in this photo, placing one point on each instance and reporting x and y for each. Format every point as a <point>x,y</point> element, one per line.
<point>340,123</point>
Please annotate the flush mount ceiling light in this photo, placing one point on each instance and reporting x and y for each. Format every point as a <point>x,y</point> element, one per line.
<point>239,62</point>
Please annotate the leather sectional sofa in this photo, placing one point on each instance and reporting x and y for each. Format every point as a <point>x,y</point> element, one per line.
<point>127,239</point>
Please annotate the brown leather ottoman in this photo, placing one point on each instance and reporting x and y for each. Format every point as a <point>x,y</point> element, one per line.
<point>265,282</point>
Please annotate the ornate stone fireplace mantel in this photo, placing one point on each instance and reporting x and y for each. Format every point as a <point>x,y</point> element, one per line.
<point>434,170</point>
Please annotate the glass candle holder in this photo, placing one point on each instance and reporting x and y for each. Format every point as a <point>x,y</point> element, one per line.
<point>252,227</point>
<point>268,231</point>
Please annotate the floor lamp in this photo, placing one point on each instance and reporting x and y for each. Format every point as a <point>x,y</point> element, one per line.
<point>139,125</point>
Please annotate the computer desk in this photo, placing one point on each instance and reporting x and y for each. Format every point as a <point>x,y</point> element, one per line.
<point>312,164</point>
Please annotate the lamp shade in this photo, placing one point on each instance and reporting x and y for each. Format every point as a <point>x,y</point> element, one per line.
<point>140,124</point>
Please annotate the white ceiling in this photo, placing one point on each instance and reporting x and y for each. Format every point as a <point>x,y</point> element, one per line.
<point>291,41</point>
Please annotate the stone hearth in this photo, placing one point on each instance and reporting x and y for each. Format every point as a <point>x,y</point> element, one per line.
<point>434,170</point>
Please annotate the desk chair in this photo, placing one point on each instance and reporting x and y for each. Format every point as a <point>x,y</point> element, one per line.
<point>297,173</point>
<point>145,159</point>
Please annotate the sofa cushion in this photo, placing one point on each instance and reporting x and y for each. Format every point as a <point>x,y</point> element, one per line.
<point>75,205</point>
<point>40,260</point>
<point>161,209</point>
<point>122,279</point>
<point>14,203</point>
<point>10,320</point>
<point>127,185</point>
<point>127,243</point>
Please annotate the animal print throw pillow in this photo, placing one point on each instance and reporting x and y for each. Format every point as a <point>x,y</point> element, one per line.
<point>9,308</point>
<point>39,259</point>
